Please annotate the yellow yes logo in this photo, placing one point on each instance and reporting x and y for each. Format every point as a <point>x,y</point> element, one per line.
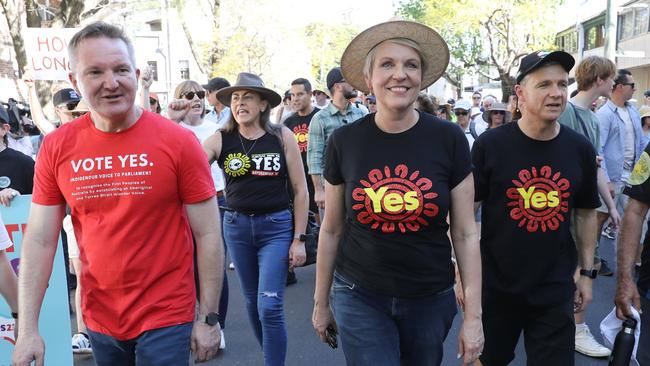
<point>237,164</point>
<point>539,199</point>
<point>393,202</point>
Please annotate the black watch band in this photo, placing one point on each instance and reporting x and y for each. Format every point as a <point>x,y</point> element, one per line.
<point>300,237</point>
<point>212,319</point>
<point>591,273</point>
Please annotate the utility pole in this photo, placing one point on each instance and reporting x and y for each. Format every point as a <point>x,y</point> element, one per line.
<point>610,30</point>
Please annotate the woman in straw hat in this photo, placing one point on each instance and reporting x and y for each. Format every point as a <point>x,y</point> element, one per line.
<point>392,178</point>
<point>262,165</point>
<point>497,115</point>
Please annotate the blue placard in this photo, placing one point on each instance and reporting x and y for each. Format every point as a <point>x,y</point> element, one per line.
<point>54,321</point>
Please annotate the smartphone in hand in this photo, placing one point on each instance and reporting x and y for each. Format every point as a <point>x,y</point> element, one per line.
<point>330,334</point>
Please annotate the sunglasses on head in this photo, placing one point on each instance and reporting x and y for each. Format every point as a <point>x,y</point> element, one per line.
<point>461,113</point>
<point>190,95</point>
<point>499,112</point>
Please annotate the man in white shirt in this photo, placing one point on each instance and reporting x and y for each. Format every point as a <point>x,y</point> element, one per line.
<point>220,114</point>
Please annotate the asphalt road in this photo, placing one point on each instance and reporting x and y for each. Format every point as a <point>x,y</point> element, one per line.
<point>306,349</point>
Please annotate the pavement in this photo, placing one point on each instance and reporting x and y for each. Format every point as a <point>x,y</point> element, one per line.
<point>305,347</point>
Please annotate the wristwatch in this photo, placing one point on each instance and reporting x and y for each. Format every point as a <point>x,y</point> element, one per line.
<point>212,319</point>
<point>591,273</point>
<point>300,237</point>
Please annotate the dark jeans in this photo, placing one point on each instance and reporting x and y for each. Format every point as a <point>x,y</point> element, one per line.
<point>156,347</point>
<point>259,247</point>
<point>391,331</point>
<point>549,331</point>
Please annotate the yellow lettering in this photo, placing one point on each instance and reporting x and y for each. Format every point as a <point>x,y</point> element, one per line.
<point>411,201</point>
<point>393,202</point>
<point>553,199</point>
<point>376,197</point>
<point>526,195</point>
<point>538,200</point>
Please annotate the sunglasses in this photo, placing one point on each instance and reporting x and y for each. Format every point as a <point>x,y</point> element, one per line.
<point>476,97</point>
<point>190,95</point>
<point>70,106</point>
<point>499,112</point>
<point>630,84</point>
<point>153,101</point>
<point>461,113</point>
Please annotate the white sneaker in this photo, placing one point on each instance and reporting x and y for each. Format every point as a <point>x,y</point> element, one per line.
<point>81,344</point>
<point>231,265</point>
<point>222,344</point>
<point>587,344</point>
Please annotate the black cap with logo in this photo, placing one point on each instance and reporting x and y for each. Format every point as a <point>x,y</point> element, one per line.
<point>538,59</point>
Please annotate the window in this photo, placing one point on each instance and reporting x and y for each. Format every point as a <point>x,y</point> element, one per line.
<point>155,26</point>
<point>595,36</point>
<point>634,20</point>
<point>185,69</point>
<point>153,65</point>
<point>567,42</point>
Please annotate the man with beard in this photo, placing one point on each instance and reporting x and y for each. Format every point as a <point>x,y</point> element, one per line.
<point>339,112</point>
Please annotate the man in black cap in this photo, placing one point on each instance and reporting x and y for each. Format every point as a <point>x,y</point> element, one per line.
<point>220,114</point>
<point>339,112</point>
<point>646,97</point>
<point>528,187</point>
<point>16,168</point>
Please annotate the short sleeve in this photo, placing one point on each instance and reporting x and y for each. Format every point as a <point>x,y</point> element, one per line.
<point>587,195</point>
<point>481,176</point>
<point>46,189</point>
<point>332,172</point>
<point>461,161</point>
<point>5,242</point>
<point>638,185</point>
<point>195,182</point>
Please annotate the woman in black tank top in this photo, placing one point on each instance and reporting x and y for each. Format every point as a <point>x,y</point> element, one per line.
<point>259,161</point>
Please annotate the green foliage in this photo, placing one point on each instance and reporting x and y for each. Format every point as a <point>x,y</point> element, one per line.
<point>326,44</point>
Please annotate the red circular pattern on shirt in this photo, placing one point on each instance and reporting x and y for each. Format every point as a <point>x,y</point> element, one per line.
<point>399,182</point>
<point>301,132</point>
<point>544,181</point>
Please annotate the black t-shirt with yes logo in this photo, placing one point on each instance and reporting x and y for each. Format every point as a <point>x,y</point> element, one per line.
<point>528,188</point>
<point>397,195</point>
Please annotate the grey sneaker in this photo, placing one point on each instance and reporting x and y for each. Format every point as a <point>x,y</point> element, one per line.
<point>81,343</point>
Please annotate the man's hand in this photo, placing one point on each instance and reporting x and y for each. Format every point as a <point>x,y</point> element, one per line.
<point>205,340</point>
<point>28,78</point>
<point>29,348</point>
<point>615,218</point>
<point>7,195</point>
<point>470,340</point>
<point>319,197</point>
<point>626,294</point>
<point>177,109</point>
<point>583,294</point>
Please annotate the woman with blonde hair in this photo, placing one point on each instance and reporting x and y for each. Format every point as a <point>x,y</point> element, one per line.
<point>391,179</point>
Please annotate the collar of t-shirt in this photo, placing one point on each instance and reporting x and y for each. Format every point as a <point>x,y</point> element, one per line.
<point>332,109</point>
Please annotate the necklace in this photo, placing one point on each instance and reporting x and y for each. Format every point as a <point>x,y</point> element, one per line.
<point>242,144</point>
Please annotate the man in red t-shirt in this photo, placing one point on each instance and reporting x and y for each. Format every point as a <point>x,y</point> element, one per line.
<point>136,184</point>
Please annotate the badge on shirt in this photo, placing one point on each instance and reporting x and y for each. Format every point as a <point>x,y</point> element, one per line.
<point>641,170</point>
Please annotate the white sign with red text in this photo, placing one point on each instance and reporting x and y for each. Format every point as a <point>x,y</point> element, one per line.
<point>47,52</point>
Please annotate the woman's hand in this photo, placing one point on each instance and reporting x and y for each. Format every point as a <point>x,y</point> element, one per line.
<point>470,339</point>
<point>321,319</point>
<point>177,109</point>
<point>297,254</point>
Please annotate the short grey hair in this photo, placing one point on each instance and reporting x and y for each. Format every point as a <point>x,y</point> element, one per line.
<point>99,30</point>
<point>370,58</point>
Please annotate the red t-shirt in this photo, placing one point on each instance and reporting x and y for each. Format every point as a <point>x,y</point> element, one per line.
<point>127,191</point>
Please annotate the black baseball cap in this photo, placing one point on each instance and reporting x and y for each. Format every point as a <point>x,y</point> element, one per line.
<point>65,96</point>
<point>216,84</point>
<point>538,59</point>
<point>333,77</point>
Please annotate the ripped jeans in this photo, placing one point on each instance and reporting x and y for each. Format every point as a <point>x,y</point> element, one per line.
<point>259,247</point>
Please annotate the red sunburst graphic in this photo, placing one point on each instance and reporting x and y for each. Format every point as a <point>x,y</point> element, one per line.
<point>402,202</point>
<point>302,136</point>
<point>539,199</point>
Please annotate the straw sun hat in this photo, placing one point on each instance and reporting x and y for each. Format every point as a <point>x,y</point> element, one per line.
<point>433,48</point>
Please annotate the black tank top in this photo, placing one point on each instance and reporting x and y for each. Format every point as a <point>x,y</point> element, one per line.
<point>256,173</point>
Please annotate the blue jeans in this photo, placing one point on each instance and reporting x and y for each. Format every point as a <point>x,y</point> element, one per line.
<point>391,331</point>
<point>259,247</point>
<point>162,346</point>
